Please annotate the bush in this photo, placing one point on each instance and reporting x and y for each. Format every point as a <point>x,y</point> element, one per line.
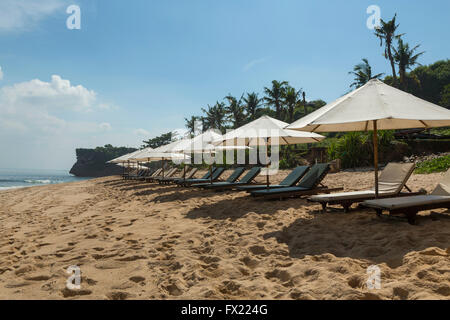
<point>353,149</point>
<point>436,165</point>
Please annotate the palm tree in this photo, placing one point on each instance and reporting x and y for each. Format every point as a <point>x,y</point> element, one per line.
<point>291,100</point>
<point>363,73</point>
<point>235,111</point>
<point>274,96</point>
<point>191,125</point>
<point>386,33</point>
<point>252,103</point>
<point>406,58</point>
<point>215,117</point>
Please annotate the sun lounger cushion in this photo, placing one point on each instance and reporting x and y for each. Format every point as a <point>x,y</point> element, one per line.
<point>394,176</point>
<point>216,174</point>
<point>309,181</point>
<point>390,182</point>
<point>406,202</point>
<point>290,180</point>
<point>248,178</point>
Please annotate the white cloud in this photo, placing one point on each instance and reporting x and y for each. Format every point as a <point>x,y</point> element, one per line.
<point>41,123</point>
<point>105,126</point>
<point>23,15</point>
<point>253,63</point>
<point>141,132</point>
<point>1,74</point>
<point>57,94</point>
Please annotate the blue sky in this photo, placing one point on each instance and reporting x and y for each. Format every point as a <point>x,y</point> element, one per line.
<point>138,68</point>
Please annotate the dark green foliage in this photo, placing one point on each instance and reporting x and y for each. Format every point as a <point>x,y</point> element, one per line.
<point>433,82</point>
<point>158,141</point>
<point>352,148</point>
<point>355,149</point>
<point>445,97</point>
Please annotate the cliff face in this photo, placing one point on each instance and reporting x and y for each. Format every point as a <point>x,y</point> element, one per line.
<point>92,163</point>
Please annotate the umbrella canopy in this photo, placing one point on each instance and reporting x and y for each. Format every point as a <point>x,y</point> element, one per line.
<point>374,106</point>
<point>160,153</point>
<point>134,166</point>
<point>198,144</point>
<point>125,157</point>
<point>152,155</point>
<point>267,131</point>
<point>264,130</point>
<point>390,107</point>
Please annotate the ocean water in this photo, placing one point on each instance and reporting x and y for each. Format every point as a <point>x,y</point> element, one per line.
<point>20,178</point>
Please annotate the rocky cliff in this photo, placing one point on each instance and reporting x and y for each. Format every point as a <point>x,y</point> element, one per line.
<point>92,162</point>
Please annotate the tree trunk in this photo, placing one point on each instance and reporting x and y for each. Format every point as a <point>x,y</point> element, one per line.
<point>391,59</point>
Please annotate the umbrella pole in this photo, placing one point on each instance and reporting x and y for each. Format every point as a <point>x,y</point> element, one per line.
<point>210,173</point>
<point>210,170</point>
<point>184,167</point>
<point>162,165</point>
<point>375,155</point>
<point>267,165</point>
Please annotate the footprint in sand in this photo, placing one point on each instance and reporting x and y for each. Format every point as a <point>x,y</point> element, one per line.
<point>118,295</point>
<point>137,279</point>
<point>67,293</point>
<point>282,275</point>
<point>258,250</point>
<point>38,277</point>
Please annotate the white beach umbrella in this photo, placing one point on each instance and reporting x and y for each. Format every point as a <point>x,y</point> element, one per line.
<point>124,158</point>
<point>152,155</point>
<point>267,131</point>
<point>375,106</point>
<point>199,144</point>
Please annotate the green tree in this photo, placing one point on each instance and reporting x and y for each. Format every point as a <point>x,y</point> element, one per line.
<point>405,58</point>
<point>252,103</point>
<point>274,96</point>
<point>445,97</point>
<point>291,100</point>
<point>363,73</point>
<point>432,79</point>
<point>190,124</point>
<point>387,33</point>
<point>156,142</point>
<point>215,117</point>
<point>235,111</point>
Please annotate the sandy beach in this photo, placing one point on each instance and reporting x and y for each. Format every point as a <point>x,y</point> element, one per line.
<point>144,241</point>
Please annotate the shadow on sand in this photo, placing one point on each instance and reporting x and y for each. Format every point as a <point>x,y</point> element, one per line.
<point>361,234</point>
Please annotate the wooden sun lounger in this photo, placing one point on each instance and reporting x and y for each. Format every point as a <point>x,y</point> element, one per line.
<point>391,182</point>
<point>166,174</point>
<point>410,206</point>
<point>215,176</point>
<point>234,176</point>
<point>146,175</point>
<point>205,176</point>
<point>170,180</point>
<point>308,185</point>
<point>139,173</point>
<point>225,185</point>
<point>292,179</point>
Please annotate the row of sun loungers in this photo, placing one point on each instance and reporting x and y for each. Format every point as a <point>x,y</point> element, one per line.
<point>307,181</point>
<point>232,182</point>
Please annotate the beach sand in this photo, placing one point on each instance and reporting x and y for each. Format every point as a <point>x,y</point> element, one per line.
<point>135,240</point>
